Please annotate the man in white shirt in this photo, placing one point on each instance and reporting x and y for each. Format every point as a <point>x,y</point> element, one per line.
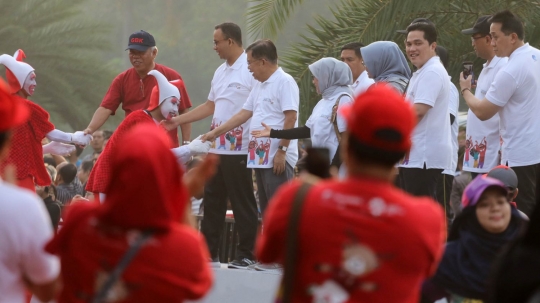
<point>274,100</point>
<point>350,54</point>
<point>428,91</point>
<point>515,95</point>
<point>25,226</point>
<point>483,137</point>
<point>233,181</point>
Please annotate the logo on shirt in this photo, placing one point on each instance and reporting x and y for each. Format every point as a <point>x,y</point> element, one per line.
<point>235,85</point>
<point>268,100</point>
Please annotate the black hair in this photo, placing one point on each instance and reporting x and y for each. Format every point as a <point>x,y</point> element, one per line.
<point>510,23</point>
<point>354,46</point>
<point>87,165</point>
<point>263,49</point>
<point>430,33</point>
<point>443,55</point>
<point>4,138</point>
<point>78,150</point>
<point>231,31</point>
<point>49,160</point>
<point>68,173</point>
<point>366,153</point>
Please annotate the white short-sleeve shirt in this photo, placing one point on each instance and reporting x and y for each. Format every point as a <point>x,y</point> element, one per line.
<point>230,89</point>
<point>431,144</point>
<point>362,83</point>
<point>268,100</point>
<point>453,109</point>
<point>483,142</point>
<point>320,124</point>
<point>516,89</point>
<point>25,228</point>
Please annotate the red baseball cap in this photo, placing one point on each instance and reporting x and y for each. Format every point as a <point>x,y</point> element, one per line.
<point>381,118</point>
<point>12,112</point>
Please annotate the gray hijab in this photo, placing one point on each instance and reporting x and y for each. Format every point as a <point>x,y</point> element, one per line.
<point>334,77</point>
<point>384,59</point>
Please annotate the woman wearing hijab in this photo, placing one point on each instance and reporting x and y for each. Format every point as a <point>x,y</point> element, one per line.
<point>331,78</point>
<point>171,263</point>
<point>385,62</point>
<point>486,224</point>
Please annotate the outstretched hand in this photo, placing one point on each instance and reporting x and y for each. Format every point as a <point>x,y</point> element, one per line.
<point>81,138</point>
<point>209,136</point>
<point>263,132</point>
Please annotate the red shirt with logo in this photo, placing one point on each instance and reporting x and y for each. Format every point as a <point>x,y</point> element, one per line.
<point>360,240</point>
<point>26,152</point>
<point>134,93</point>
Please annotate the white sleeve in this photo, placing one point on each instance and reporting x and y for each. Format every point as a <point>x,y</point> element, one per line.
<point>501,89</point>
<point>57,148</point>
<point>59,136</point>
<point>39,266</point>
<point>289,97</point>
<point>429,88</point>
<point>249,102</point>
<point>342,125</point>
<point>453,105</point>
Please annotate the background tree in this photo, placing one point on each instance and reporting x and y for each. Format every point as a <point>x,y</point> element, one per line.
<point>374,20</point>
<point>64,47</point>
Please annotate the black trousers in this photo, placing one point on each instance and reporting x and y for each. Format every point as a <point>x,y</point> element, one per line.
<point>444,188</point>
<point>233,182</point>
<point>527,185</point>
<point>419,181</point>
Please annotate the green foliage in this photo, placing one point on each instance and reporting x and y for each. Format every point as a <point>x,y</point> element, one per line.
<point>64,47</point>
<point>374,20</point>
<point>268,17</point>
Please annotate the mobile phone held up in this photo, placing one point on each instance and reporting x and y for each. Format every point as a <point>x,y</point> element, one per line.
<point>468,71</point>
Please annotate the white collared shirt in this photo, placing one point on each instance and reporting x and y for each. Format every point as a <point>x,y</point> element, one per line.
<point>431,143</point>
<point>516,89</point>
<point>482,138</point>
<point>25,228</point>
<point>453,109</point>
<point>268,100</point>
<point>230,89</point>
<point>362,83</point>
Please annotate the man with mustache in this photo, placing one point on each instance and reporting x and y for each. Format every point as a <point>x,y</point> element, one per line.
<point>132,88</point>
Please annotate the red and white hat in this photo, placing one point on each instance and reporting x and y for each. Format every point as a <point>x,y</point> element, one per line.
<point>163,90</point>
<point>16,70</point>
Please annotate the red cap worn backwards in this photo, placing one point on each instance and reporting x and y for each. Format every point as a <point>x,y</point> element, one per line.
<point>12,112</point>
<point>381,118</point>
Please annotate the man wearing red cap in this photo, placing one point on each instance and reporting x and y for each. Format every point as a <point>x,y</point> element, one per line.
<point>163,106</point>
<point>360,239</point>
<point>27,152</point>
<point>25,226</point>
<point>132,88</point>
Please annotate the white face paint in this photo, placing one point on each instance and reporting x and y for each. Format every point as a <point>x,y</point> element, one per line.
<point>169,108</point>
<point>30,84</point>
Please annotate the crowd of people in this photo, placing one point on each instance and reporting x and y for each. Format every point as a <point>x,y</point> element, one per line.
<point>394,202</point>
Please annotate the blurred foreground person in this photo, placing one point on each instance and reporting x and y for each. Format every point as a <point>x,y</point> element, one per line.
<point>360,239</point>
<point>487,223</point>
<point>27,152</point>
<point>171,263</point>
<point>25,226</point>
<point>163,106</point>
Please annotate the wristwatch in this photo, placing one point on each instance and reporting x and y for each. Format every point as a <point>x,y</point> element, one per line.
<point>283,148</point>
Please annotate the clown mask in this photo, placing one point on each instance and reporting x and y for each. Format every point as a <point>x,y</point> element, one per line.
<point>169,108</point>
<point>30,84</point>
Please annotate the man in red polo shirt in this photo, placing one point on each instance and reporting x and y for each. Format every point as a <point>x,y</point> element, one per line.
<point>132,88</point>
<point>360,239</point>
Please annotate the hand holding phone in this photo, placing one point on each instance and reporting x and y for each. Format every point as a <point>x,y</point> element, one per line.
<point>468,71</point>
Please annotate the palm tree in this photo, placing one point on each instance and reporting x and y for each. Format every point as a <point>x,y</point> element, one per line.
<point>65,48</point>
<point>374,20</point>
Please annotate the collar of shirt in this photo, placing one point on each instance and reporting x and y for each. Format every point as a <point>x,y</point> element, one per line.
<point>274,75</point>
<point>433,60</point>
<point>519,50</point>
<point>362,76</point>
<point>238,63</point>
<point>492,63</point>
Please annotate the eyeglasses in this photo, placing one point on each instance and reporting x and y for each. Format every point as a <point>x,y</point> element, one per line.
<point>249,63</point>
<point>217,42</point>
<point>478,37</point>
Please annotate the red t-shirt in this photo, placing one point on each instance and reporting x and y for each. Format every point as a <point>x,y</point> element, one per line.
<point>170,267</point>
<point>26,152</point>
<point>134,93</point>
<point>375,242</point>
